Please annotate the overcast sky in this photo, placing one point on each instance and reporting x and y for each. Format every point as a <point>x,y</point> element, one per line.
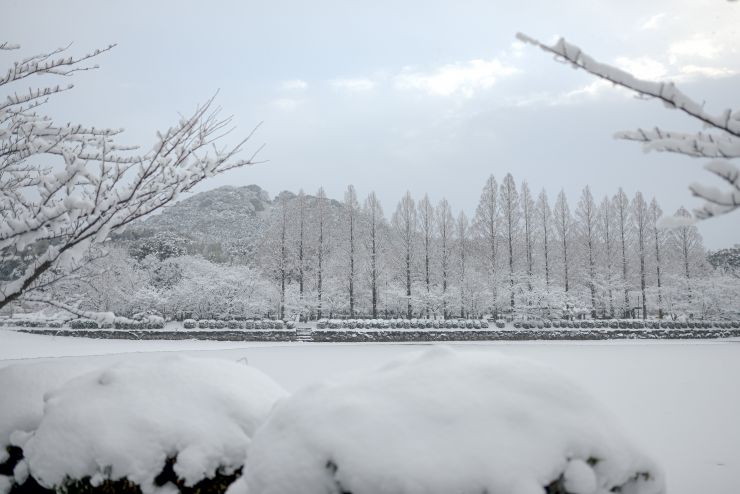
<point>427,96</point>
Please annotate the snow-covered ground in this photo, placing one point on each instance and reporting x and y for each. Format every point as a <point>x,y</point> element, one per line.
<point>680,401</point>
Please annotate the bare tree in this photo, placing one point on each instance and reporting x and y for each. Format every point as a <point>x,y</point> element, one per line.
<point>658,241</point>
<point>586,214</point>
<point>640,215</point>
<point>404,223</point>
<point>321,248</point>
<point>528,212</point>
<point>426,225</point>
<point>721,145</point>
<point>564,230</point>
<point>352,208</point>
<point>301,205</point>
<point>445,227</point>
<point>487,222</point>
<point>463,228</point>
<point>606,230</point>
<point>374,215</point>
<point>544,215</point>
<point>621,209</point>
<point>68,186</point>
<point>511,215</point>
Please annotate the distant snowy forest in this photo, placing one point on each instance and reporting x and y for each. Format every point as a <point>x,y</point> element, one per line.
<point>235,253</point>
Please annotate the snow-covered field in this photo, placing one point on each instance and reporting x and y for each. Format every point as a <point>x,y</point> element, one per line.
<point>680,401</point>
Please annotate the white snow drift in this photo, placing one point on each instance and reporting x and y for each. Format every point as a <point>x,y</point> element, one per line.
<point>124,421</point>
<point>444,422</point>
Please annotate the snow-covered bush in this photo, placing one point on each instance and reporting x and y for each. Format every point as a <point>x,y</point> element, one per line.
<point>322,324</point>
<point>83,324</point>
<point>129,420</point>
<point>189,324</point>
<point>444,422</point>
<point>500,323</point>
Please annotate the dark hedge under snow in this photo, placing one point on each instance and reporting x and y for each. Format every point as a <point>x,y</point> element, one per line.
<point>346,335</point>
<point>112,334</point>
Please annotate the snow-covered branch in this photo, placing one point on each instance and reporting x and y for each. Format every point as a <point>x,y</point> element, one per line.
<point>700,144</point>
<point>725,144</point>
<point>68,186</point>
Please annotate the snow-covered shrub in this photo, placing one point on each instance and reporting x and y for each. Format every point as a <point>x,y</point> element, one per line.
<point>106,426</point>
<point>278,325</point>
<point>518,324</point>
<point>153,322</point>
<point>54,324</point>
<point>500,323</point>
<point>234,324</point>
<point>189,324</point>
<point>444,422</point>
<point>83,324</point>
<point>203,324</point>
<point>322,324</point>
<point>290,324</point>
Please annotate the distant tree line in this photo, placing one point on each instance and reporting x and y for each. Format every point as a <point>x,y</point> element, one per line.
<point>520,255</point>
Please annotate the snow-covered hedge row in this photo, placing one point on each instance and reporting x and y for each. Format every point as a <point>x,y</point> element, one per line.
<point>138,426</point>
<point>627,324</point>
<point>148,323</point>
<point>444,422</point>
<point>215,335</point>
<point>402,324</point>
<point>31,323</point>
<point>242,324</point>
<point>441,335</point>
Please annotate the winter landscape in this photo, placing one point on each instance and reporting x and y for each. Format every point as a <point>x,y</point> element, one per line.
<point>374,248</point>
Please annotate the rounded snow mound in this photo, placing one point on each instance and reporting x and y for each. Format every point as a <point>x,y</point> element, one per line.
<point>130,420</point>
<point>443,422</point>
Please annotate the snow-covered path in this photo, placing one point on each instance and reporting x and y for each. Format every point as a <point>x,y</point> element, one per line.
<point>679,400</point>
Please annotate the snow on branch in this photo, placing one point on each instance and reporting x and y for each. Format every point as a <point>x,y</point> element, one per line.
<point>700,144</point>
<point>64,188</point>
<point>667,92</point>
<point>724,144</point>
